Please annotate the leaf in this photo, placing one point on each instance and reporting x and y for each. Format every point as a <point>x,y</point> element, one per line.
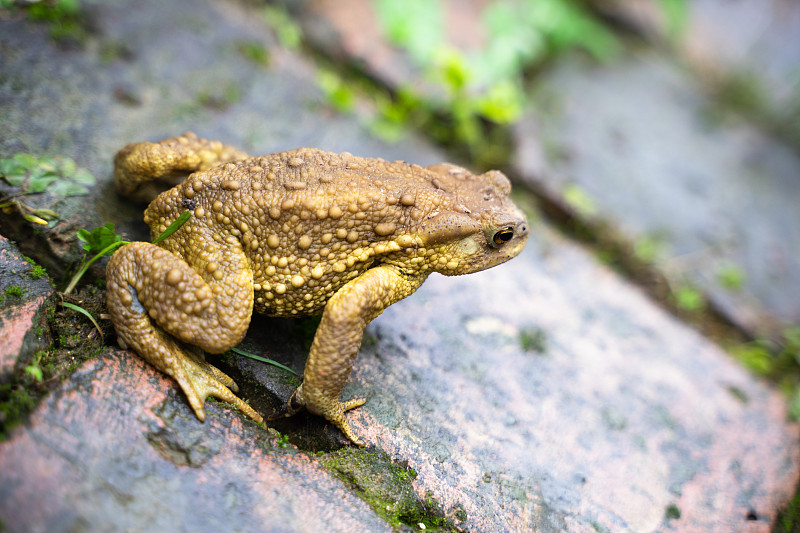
<point>49,165</point>
<point>81,175</point>
<point>85,237</point>
<point>34,219</point>
<point>39,182</point>
<point>15,180</point>
<point>68,188</point>
<point>47,214</point>
<point>175,226</point>
<point>25,162</point>
<point>66,167</point>
<point>99,238</point>
<point>35,372</point>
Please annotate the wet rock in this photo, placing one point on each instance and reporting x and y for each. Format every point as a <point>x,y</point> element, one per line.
<point>639,141</point>
<point>623,417</point>
<point>115,448</point>
<point>545,394</point>
<point>25,297</point>
<point>351,31</point>
<point>152,72</point>
<point>649,142</point>
<point>755,39</point>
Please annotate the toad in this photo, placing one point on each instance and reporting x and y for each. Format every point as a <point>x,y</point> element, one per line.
<point>297,233</point>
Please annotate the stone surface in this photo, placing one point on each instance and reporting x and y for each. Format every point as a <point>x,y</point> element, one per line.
<point>750,38</point>
<point>545,394</point>
<point>615,414</point>
<point>351,31</point>
<point>115,449</point>
<point>717,193</point>
<point>22,316</point>
<point>638,138</point>
<point>155,72</point>
<point>624,413</point>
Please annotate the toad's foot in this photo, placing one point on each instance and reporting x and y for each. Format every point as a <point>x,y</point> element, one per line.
<point>333,410</point>
<point>337,341</point>
<point>155,298</point>
<point>199,380</point>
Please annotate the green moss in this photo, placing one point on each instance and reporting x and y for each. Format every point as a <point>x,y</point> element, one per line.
<point>67,22</point>
<point>15,404</point>
<point>221,97</point>
<point>533,340</point>
<point>789,520</point>
<point>37,273</point>
<point>254,51</point>
<point>672,512</point>
<point>386,486</point>
<point>14,290</point>
<point>738,393</point>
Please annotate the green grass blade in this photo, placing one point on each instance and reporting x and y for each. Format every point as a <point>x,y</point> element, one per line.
<point>263,360</point>
<point>107,250</point>
<point>175,226</point>
<point>87,314</point>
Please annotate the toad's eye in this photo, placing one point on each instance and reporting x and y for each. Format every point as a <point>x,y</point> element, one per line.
<point>503,235</point>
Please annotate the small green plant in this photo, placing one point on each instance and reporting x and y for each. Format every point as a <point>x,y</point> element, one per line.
<point>676,13</point>
<point>33,369</point>
<point>101,241</point>
<point>580,201</point>
<point>282,441</point>
<point>286,29</point>
<point>336,91</point>
<point>688,298</point>
<point>731,276</point>
<point>63,16</point>
<point>221,97</point>
<point>58,175</point>
<point>486,85</point>
<point>32,174</point>
<point>533,340</point>
<point>648,249</point>
<point>104,240</point>
<point>254,51</point>
<point>777,359</point>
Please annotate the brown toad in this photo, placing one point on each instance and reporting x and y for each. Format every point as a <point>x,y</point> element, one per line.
<point>291,234</point>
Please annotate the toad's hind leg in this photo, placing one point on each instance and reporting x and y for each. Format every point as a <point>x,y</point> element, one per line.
<point>154,297</point>
<point>142,170</point>
<point>338,339</point>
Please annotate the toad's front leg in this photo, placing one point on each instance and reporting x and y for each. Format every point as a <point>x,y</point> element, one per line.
<point>338,339</point>
<point>154,297</point>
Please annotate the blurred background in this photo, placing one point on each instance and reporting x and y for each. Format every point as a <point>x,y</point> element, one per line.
<point>664,135</point>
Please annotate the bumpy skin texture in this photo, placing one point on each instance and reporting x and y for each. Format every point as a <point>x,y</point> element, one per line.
<point>291,234</point>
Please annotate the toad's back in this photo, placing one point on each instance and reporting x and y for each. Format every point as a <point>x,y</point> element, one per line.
<point>309,221</point>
